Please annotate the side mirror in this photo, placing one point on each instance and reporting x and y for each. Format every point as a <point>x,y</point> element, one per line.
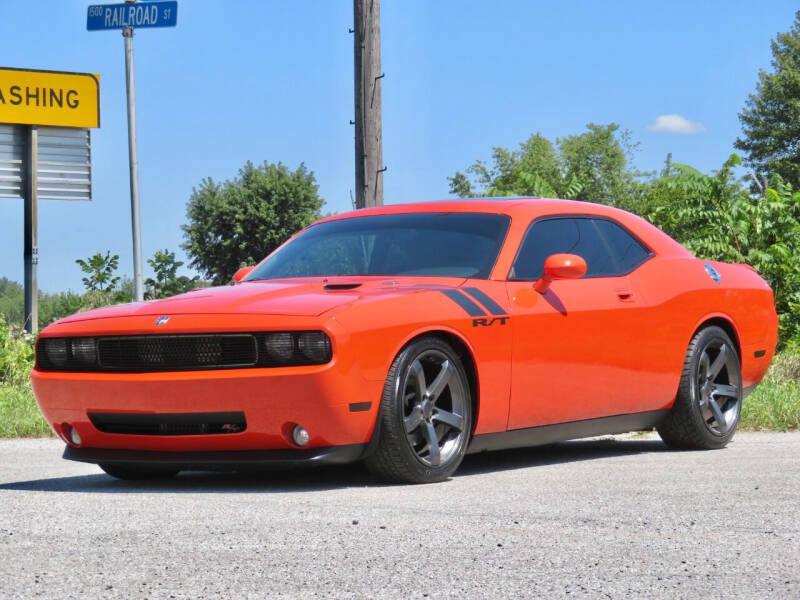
<point>560,266</point>
<point>242,273</point>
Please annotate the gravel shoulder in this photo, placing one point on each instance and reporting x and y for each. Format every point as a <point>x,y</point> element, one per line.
<point>612,517</point>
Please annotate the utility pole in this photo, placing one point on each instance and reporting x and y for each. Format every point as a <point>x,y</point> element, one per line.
<point>133,156</point>
<point>368,75</point>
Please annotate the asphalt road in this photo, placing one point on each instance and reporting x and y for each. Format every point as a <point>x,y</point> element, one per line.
<point>608,518</point>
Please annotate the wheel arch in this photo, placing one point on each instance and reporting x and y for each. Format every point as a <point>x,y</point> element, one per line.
<point>465,353</point>
<point>725,323</point>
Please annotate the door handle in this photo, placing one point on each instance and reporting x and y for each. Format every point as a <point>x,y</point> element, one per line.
<point>625,295</point>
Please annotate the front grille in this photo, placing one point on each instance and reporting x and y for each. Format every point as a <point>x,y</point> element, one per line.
<point>177,352</point>
<point>183,352</point>
<point>169,423</point>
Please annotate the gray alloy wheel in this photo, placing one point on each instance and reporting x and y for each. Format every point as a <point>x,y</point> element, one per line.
<point>709,400</point>
<point>426,415</point>
<point>718,388</point>
<point>433,408</point>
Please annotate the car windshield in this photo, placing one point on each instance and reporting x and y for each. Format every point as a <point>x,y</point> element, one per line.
<point>415,244</point>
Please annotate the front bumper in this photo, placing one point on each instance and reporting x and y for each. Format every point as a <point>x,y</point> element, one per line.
<point>335,405</point>
<point>220,461</point>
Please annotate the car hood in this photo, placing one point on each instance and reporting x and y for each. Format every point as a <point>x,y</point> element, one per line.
<point>279,297</point>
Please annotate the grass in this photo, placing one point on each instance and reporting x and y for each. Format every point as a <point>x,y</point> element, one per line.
<point>774,406</point>
<point>19,414</point>
<point>775,403</point>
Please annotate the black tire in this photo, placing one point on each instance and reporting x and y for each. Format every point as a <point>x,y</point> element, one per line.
<point>709,401</point>
<point>136,472</point>
<point>414,411</point>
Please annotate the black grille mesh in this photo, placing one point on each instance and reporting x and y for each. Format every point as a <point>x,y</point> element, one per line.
<point>167,353</point>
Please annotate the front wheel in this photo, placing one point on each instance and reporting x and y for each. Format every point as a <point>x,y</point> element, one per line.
<point>709,401</point>
<point>425,417</point>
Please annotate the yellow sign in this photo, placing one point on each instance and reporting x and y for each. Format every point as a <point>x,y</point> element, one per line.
<point>56,98</point>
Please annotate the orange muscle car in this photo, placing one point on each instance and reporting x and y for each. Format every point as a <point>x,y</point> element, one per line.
<point>409,335</point>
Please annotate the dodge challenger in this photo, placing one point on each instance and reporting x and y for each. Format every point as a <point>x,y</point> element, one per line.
<point>407,336</point>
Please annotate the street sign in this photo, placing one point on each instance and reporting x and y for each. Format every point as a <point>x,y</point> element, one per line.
<point>32,97</point>
<point>137,15</point>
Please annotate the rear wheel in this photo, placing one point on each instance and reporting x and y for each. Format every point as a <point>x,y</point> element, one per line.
<point>138,472</point>
<point>425,417</point>
<point>709,401</point>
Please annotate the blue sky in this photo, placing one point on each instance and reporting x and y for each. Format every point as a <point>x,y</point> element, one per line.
<point>267,80</point>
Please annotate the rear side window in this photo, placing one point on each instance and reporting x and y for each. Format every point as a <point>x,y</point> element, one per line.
<point>608,249</point>
<point>626,249</point>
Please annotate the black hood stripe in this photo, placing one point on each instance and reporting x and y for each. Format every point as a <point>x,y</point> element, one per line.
<point>472,309</point>
<point>487,302</point>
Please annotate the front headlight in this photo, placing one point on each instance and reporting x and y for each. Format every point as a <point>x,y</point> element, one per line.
<point>84,351</point>
<point>315,345</point>
<point>294,348</point>
<point>280,346</point>
<point>55,351</point>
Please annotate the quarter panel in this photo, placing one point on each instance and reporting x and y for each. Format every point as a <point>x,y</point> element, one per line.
<point>684,297</point>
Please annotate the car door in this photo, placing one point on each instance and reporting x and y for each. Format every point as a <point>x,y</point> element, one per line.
<point>574,347</point>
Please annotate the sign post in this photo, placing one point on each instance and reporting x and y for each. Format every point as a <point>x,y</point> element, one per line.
<point>133,156</point>
<point>31,236</point>
<point>127,17</point>
<point>39,158</point>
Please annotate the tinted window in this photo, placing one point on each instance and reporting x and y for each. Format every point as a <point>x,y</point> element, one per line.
<point>607,248</point>
<point>627,250</point>
<point>422,244</point>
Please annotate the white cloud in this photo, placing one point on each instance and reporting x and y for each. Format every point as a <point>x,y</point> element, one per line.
<point>676,124</point>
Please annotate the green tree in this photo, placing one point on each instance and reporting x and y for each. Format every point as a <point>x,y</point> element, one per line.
<point>532,170</point>
<point>238,222</point>
<point>167,282</point>
<point>100,270</point>
<point>598,158</point>
<point>591,166</point>
<point>125,291</point>
<point>53,307</point>
<point>771,117</point>
<point>12,301</point>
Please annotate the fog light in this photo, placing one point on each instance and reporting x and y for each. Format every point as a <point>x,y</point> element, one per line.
<point>299,435</point>
<point>74,436</point>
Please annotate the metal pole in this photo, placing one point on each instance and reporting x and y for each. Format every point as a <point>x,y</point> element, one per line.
<point>31,246</point>
<point>133,156</point>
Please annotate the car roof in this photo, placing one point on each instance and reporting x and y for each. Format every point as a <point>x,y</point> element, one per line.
<point>527,209</point>
<point>501,205</point>
<point>508,205</point>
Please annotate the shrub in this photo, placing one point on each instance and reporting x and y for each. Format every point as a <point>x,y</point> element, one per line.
<point>16,354</point>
